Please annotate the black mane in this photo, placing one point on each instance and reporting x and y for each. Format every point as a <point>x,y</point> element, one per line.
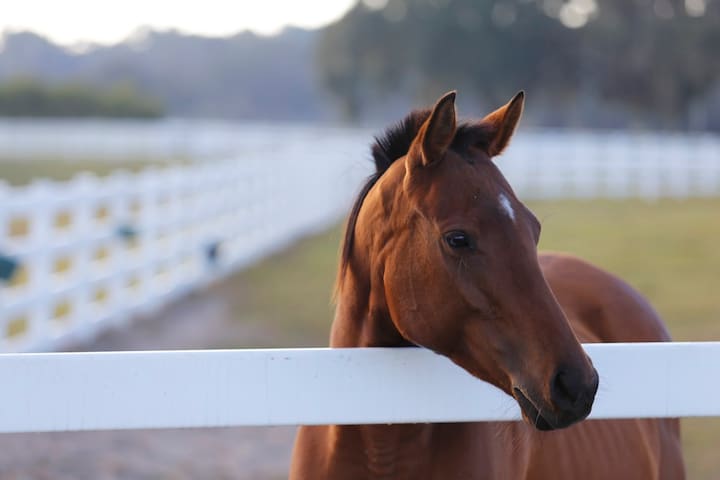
<point>396,140</point>
<point>394,143</point>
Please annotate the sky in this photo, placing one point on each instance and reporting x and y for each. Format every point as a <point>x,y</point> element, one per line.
<point>72,22</point>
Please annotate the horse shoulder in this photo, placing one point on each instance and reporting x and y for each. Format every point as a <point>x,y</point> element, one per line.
<point>600,306</point>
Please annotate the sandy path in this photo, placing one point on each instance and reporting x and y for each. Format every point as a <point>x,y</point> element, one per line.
<point>199,321</point>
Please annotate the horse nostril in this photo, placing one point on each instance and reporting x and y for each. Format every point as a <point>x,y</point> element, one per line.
<point>566,388</point>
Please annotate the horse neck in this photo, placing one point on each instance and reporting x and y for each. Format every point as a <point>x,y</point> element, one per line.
<point>362,318</point>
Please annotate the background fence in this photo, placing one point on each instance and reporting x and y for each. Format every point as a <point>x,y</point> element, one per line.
<point>81,255</point>
<point>556,164</point>
<point>91,252</point>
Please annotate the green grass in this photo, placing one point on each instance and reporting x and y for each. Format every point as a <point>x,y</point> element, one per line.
<point>17,171</point>
<point>668,250</point>
<point>289,293</point>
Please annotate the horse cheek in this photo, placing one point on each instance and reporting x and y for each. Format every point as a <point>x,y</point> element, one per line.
<point>419,296</point>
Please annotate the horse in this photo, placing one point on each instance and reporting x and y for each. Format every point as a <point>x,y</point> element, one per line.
<point>440,253</point>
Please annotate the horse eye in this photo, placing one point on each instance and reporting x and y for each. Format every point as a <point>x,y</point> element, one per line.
<point>457,239</point>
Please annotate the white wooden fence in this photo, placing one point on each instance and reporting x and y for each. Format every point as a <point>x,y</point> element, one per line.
<point>92,391</point>
<point>556,164</point>
<point>93,252</point>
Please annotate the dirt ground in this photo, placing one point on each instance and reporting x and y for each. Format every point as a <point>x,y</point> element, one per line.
<point>198,321</point>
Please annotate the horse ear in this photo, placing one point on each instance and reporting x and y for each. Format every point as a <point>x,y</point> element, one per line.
<point>502,123</point>
<point>438,132</point>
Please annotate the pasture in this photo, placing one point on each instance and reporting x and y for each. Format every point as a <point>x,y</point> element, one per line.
<point>666,249</point>
<point>20,171</point>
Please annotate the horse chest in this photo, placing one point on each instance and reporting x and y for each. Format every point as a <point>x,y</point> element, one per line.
<point>417,452</point>
<point>394,451</point>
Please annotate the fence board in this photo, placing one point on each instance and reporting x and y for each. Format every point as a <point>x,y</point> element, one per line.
<point>91,391</point>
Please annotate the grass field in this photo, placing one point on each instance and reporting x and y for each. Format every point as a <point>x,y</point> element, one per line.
<point>668,250</point>
<point>17,171</point>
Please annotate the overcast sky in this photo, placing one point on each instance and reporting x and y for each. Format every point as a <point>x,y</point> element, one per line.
<point>79,21</point>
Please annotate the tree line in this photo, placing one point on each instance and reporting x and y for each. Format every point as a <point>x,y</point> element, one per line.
<point>28,97</point>
<point>584,62</point>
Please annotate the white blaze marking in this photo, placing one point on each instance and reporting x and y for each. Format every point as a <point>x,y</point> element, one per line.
<point>506,206</point>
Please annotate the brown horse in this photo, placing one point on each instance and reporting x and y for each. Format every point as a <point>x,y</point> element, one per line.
<point>440,253</point>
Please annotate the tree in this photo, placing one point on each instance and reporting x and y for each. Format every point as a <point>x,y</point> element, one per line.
<point>647,58</point>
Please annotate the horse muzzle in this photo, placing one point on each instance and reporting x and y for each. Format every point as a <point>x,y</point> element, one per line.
<point>571,398</point>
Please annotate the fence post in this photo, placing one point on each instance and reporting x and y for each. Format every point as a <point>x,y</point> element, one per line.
<point>40,212</point>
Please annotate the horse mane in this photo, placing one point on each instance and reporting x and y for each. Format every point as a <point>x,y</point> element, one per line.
<point>393,144</point>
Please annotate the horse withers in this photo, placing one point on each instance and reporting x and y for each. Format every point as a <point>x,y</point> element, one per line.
<point>440,253</point>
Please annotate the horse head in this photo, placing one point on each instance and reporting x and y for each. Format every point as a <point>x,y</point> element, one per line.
<point>453,257</point>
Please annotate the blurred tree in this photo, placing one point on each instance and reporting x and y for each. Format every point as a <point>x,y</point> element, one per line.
<point>28,97</point>
<point>653,58</point>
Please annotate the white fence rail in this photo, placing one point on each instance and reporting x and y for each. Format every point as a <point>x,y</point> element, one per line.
<point>556,164</point>
<point>92,252</point>
<point>96,391</point>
